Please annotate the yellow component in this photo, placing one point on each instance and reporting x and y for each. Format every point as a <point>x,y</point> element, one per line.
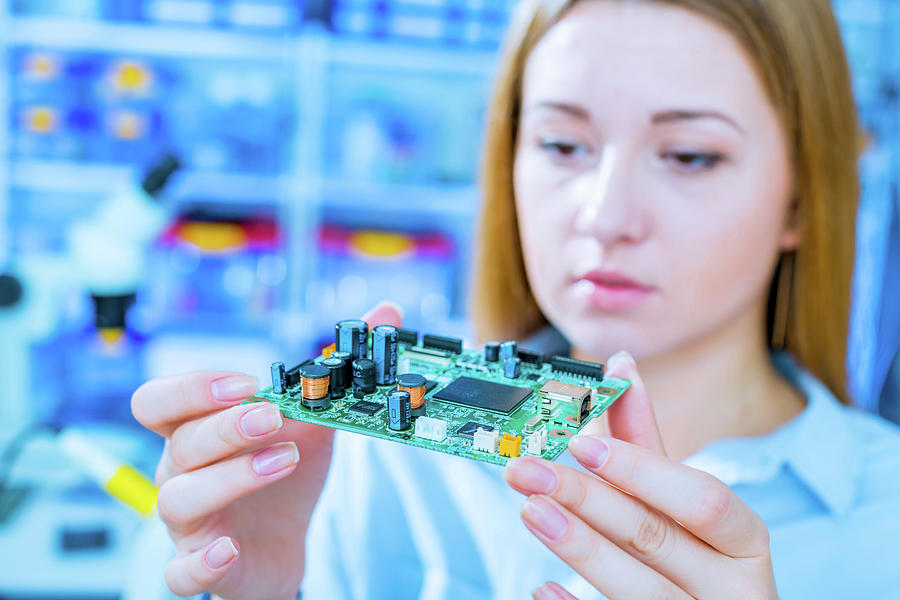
<point>133,76</point>
<point>215,237</point>
<point>41,119</point>
<point>42,66</point>
<point>328,350</point>
<point>128,125</point>
<point>132,488</point>
<point>381,244</point>
<point>110,335</point>
<point>510,445</point>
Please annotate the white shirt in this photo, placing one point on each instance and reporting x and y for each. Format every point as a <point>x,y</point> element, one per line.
<point>397,522</point>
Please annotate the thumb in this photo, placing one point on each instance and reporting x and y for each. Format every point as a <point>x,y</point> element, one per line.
<point>631,417</point>
<point>384,313</point>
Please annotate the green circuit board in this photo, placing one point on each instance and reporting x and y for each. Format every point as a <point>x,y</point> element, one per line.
<point>467,392</point>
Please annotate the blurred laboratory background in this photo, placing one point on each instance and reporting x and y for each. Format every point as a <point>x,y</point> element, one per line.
<point>195,184</point>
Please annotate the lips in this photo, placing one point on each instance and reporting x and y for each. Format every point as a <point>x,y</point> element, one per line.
<point>610,290</point>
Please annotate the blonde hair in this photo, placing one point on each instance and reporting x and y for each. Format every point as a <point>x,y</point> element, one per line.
<point>797,50</point>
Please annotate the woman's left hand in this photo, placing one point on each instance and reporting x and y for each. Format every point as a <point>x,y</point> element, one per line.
<point>643,525</point>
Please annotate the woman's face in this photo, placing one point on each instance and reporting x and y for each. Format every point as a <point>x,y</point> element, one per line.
<point>652,178</point>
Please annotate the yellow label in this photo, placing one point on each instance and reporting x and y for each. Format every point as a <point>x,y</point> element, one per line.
<point>42,119</point>
<point>381,244</point>
<point>214,237</point>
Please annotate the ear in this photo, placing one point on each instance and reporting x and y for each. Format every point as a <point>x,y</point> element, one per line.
<point>792,232</point>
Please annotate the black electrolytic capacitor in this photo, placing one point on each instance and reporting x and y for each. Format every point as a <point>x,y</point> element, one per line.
<point>279,378</point>
<point>508,350</point>
<point>385,339</point>
<point>512,367</point>
<point>399,410</point>
<point>347,361</point>
<point>492,351</point>
<point>352,335</point>
<point>364,375</point>
<point>337,386</point>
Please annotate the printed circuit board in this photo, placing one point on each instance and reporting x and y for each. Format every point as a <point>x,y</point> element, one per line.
<point>488,405</point>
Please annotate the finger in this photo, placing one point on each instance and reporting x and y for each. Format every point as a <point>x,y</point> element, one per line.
<point>552,591</point>
<point>187,498</point>
<point>384,313</point>
<point>205,440</point>
<point>631,417</point>
<point>162,404</point>
<point>602,563</point>
<point>703,505</point>
<point>201,570</point>
<point>644,533</point>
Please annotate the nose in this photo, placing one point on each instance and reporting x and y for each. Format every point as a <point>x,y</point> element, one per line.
<point>609,209</point>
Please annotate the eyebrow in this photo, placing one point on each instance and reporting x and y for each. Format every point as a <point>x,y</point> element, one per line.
<point>669,116</point>
<point>660,118</point>
<point>570,109</point>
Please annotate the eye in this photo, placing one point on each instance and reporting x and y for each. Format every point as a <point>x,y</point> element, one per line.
<point>562,149</point>
<point>692,162</point>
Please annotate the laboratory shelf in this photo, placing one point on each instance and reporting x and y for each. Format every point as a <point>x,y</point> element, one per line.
<point>147,40</point>
<point>198,42</point>
<point>228,188</point>
<point>411,56</point>
<point>68,177</point>
<point>421,199</point>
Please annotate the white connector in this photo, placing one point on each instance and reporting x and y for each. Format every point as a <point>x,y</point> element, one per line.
<point>486,441</point>
<point>430,428</point>
<point>537,442</point>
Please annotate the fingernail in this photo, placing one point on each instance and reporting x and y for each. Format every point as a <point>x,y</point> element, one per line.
<point>590,450</point>
<point>234,387</point>
<point>531,475</point>
<point>545,592</point>
<point>264,419</point>
<point>620,356</point>
<point>274,459</point>
<point>543,516</point>
<point>220,553</point>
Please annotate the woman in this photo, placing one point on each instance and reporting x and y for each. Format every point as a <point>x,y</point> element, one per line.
<point>674,177</point>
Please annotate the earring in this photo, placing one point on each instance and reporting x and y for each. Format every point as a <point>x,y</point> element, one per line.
<point>783,301</point>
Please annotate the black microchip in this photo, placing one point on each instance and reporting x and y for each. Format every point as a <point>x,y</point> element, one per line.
<point>487,395</point>
<point>469,429</point>
<point>531,357</point>
<point>564,364</point>
<point>408,336</point>
<point>367,408</point>
<point>533,376</point>
<point>440,342</point>
<point>292,377</point>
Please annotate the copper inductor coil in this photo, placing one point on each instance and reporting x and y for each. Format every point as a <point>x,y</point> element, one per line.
<point>415,385</point>
<point>314,381</point>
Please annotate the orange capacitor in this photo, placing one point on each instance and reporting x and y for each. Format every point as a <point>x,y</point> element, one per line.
<point>328,350</point>
<point>314,385</point>
<point>415,385</point>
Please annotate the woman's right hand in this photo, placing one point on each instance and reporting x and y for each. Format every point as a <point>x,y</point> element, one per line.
<point>237,483</point>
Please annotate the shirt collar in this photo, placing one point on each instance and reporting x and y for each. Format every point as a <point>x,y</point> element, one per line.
<point>816,446</point>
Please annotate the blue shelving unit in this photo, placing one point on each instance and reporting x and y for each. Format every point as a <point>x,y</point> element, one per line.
<point>870,29</point>
<point>313,114</point>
